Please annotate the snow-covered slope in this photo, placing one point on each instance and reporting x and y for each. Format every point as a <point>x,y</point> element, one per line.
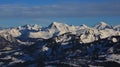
<point>54,29</point>
<point>61,45</point>
<point>88,34</point>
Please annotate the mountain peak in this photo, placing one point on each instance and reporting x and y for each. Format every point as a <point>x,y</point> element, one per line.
<point>83,25</point>
<point>26,25</point>
<point>102,25</point>
<point>29,27</point>
<point>35,25</point>
<point>57,24</point>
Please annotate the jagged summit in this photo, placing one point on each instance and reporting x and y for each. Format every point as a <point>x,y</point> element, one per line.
<point>26,26</point>
<point>83,25</point>
<point>60,44</point>
<point>102,25</point>
<point>30,27</point>
<point>56,24</point>
<point>56,29</point>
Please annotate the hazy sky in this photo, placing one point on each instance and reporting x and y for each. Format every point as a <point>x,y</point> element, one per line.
<point>43,12</point>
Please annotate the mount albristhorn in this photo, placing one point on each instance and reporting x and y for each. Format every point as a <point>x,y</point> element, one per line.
<point>60,45</point>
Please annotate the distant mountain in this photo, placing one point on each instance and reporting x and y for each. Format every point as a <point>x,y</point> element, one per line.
<point>25,32</point>
<point>30,27</point>
<point>102,26</point>
<point>61,45</point>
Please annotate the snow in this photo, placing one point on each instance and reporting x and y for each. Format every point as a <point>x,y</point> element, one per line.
<point>65,43</point>
<point>61,28</point>
<point>30,27</point>
<point>15,60</point>
<point>7,48</point>
<point>111,50</point>
<point>54,29</point>
<point>18,53</point>
<point>84,26</point>
<point>62,34</point>
<point>102,25</point>
<point>7,57</point>
<point>44,48</point>
<point>117,27</point>
<point>41,34</point>
<point>114,57</point>
<point>108,32</point>
<point>14,32</point>
<point>62,38</point>
<point>36,27</point>
<point>87,39</point>
<point>101,30</point>
<point>114,40</point>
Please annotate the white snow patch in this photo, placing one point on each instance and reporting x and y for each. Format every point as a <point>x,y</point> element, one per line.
<point>114,57</point>
<point>114,40</point>
<point>44,48</point>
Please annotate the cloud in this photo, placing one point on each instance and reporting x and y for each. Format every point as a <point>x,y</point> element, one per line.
<point>60,10</point>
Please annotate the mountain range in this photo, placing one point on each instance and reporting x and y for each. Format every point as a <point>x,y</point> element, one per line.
<point>60,45</point>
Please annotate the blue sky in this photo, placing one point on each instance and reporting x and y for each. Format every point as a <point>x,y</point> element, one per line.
<point>43,12</point>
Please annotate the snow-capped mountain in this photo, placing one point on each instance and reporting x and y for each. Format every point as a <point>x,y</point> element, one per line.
<point>61,45</point>
<point>102,26</point>
<point>54,29</point>
<point>88,34</point>
<point>30,27</point>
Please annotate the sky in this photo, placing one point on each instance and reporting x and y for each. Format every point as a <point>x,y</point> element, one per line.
<point>73,12</point>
